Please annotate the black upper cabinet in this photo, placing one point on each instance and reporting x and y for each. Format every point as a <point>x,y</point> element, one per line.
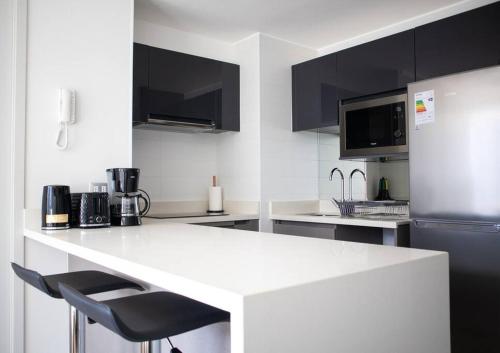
<point>315,99</point>
<point>383,65</point>
<point>185,87</point>
<point>379,66</point>
<point>140,78</point>
<point>466,41</point>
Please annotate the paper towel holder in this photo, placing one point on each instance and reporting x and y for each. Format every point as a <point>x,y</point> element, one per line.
<point>214,186</point>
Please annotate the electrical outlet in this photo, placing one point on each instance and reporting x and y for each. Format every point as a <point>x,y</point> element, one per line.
<point>98,186</point>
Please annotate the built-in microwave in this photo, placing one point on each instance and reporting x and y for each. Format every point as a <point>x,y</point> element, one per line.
<point>374,128</point>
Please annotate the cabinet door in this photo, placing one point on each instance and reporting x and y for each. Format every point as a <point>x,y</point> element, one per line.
<point>467,41</point>
<point>383,65</point>
<point>230,102</point>
<point>252,225</point>
<point>140,79</point>
<point>191,87</point>
<point>314,94</point>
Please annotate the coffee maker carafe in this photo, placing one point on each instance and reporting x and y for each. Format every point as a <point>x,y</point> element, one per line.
<point>123,187</point>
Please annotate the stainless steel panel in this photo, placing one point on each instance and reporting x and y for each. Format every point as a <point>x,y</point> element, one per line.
<point>474,282</point>
<point>373,151</point>
<point>455,161</point>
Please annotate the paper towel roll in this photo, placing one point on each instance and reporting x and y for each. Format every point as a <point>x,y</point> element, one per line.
<point>215,199</point>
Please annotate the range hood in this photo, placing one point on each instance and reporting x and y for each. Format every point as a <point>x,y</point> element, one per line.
<point>178,112</point>
<point>175,124</point>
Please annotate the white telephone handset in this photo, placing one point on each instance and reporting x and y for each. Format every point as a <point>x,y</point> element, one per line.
<point>67,100</point>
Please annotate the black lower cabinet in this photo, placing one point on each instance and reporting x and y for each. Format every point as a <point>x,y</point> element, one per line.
<point>463,42</point>
<point>251,225</point>
<point>358,234</point>
<point>305,229</point>
<point>474,284</point>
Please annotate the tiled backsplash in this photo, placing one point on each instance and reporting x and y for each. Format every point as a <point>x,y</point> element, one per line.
<point>175,166</point>
<point>329,152</point>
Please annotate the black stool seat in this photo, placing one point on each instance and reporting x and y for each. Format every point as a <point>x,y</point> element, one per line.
<point>146,317</point>
<point>87,282</point>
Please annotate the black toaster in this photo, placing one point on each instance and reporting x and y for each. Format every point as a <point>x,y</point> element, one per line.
<point>90,210</point>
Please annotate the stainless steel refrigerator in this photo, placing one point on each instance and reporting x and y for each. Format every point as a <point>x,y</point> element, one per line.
<point>454,124</point>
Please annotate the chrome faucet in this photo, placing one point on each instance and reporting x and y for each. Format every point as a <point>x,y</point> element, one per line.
<point>341,177</point>
<point>350,180</point>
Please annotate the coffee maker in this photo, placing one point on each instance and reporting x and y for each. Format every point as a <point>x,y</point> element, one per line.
<point>123,187</point>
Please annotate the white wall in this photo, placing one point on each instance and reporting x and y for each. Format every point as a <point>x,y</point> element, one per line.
<point>86,46</point>
<point>238,153</point>
<point>169,38</point>
<point>6,109</point>
<point>289,161</point>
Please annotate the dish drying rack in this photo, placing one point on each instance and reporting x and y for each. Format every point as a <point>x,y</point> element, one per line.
<point>380,208</point>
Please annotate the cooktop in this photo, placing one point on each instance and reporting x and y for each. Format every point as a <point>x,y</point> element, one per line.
<point>184,215</point>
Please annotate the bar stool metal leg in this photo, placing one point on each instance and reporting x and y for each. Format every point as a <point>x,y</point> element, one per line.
<point>82,320</point>
<point>146,347</point>
<point>151,346</point>
<point>74,336</point>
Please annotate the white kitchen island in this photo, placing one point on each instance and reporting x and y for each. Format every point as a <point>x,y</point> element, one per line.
<point>285,294</point>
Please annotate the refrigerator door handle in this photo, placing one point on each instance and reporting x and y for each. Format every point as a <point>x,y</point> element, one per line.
<point>482,227</point>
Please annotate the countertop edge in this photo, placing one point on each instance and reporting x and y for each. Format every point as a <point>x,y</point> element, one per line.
<point>144,273</point>
<point>392,224</point>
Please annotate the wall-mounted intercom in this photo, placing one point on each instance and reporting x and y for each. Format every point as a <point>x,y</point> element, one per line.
<point>67,102</point>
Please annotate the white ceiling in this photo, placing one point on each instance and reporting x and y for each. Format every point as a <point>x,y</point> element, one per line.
<point>312,23</point>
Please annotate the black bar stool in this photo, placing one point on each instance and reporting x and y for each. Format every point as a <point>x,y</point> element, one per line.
<point>146,318</point>
<point>88,282</point>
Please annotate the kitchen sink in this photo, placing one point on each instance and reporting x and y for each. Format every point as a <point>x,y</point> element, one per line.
<point>319,214</point>
<point>381,216</point>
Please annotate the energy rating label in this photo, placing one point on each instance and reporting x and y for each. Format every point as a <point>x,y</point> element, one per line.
<point>424,107</point>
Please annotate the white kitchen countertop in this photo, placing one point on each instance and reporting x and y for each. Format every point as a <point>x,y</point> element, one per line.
<point>236,262</point>
<point>251,273</point>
